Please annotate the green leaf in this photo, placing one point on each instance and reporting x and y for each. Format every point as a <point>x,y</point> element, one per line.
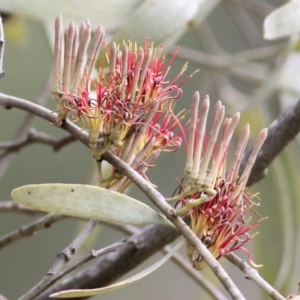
<point>283,21</point>
<point>111,14</point>
<point>158,21</point>
<point>126,282</point>
<point>204,9</point>
<point>88,202</point>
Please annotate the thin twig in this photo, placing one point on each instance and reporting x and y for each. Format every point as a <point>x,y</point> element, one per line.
<point>2,42</point>
<point>34,136</point>
<point>252,72</point>
<point>62,258</point>
<point>197,276</point>
<point>30,229</point>
<point>245,23</point>
<point>109,268</point>
<point>12,206</point>
<point>66,254</point>
<point>248,55</point>
<point>7,156</point>
<point>91,255</point>
<point>180,261</point>
<point>253,275</point>
<point>8,102</point>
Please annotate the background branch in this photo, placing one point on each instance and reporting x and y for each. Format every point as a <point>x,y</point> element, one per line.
<point>253,275</point>
<point>186,266</point>
<point>180,261</point>
<point>61,259</point>
<point>30,229</point>
<point>91,255</point>
<point>34,136</point>
<point>7,156</point>
<point>282,131</point>
<point>2,42</point>
<point>139,247</point>
<point>9,102</point>
<point>12,206</point>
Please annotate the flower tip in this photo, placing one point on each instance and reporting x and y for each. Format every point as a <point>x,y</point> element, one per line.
<point>58,18</point>
<point>236,116</point>
<point>100,30</point>
<point>246,128</point>
<point>263,133</point>
<point>58,23</point>
<point>196,95</point>
<point>254,264</point>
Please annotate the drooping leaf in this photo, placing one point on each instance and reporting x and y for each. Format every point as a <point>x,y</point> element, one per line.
<point>88,202</point>
<point>124,283</point>
<point>283,21</point>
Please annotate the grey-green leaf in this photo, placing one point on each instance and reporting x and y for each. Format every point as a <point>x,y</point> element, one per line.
<point>88,202</point>
<point>158,21</point>
<point>283,21</point>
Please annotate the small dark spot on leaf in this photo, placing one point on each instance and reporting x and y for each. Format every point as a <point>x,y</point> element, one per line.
<point>29,193</point>
<point>72,190</point>
<point>47,225</point>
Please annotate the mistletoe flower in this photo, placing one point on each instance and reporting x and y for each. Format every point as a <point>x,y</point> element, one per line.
<point>162,134</point>
<point>129,89</point>
<point>216,202</point>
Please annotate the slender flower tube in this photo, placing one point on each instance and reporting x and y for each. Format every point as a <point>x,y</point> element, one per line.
<point>72,66</point>
<point>216,202</point>
<point>130,108</point>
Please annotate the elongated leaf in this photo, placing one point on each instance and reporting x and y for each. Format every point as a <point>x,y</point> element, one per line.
<point>86,201</point>
<point>204,9</point>
<point>158,21</point>
<point>283,21</point>
<point>126,282</point>
<point>110,13</point>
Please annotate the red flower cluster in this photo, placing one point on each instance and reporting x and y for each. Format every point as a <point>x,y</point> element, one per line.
<point>215,202</point>
<point>130,91</point>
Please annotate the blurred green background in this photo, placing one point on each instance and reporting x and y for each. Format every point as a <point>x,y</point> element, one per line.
<point>28,62</point>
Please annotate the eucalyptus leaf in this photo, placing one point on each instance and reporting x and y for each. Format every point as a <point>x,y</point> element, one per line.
<point>204,9</point>
<point>157,20</point>
<point>124,283</point>
<point>109,13</point>
<point>283,21</point>
<point>88,202</point>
